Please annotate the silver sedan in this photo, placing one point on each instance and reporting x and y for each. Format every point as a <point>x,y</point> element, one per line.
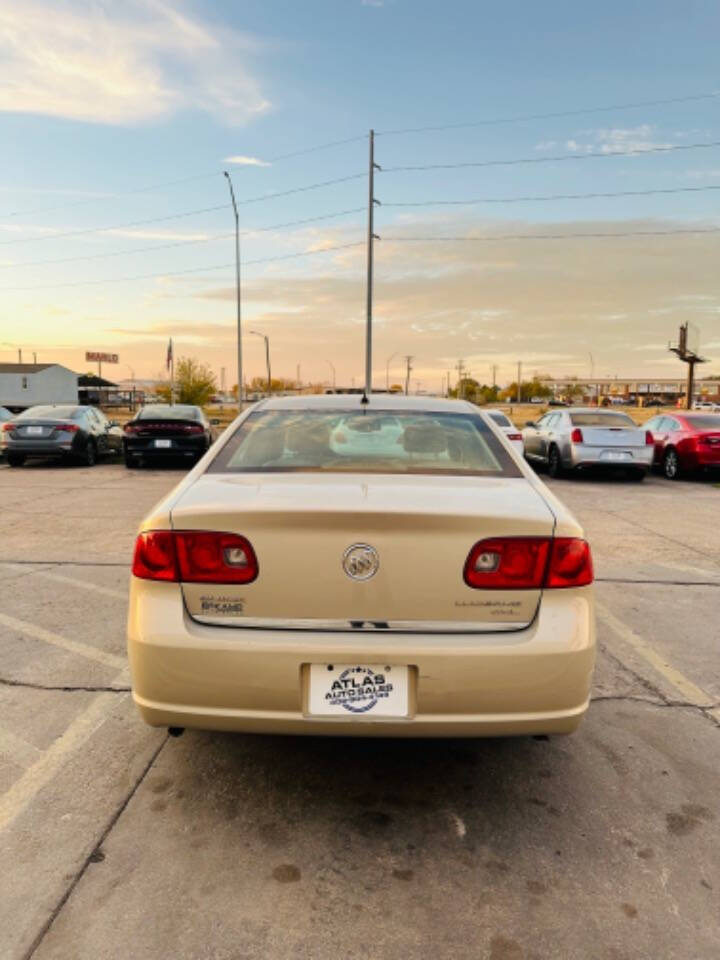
<point>579,438</point>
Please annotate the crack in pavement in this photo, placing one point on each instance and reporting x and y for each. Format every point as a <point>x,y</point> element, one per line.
<point>92,857</point>
<point>64,688</point>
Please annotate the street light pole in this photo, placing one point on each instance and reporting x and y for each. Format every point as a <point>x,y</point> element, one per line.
<point>267,357</point>
<point>237,291</point>
<point>387,371</point>
<point>332,367</point>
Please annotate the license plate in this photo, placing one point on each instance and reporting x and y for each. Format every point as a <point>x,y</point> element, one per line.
<point>34,431</point>
<point>163,444</point>
<point>358,690</point>
<point>615,455</point>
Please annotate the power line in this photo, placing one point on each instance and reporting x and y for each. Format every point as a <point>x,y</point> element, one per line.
<point>553,196</point>
<point>181,243</point>
<point>187,213</point>
<point>549,116</point>
<point>555,159</point>
<point>179,273</point>
<point>555,236</point>
<point>321,146</point>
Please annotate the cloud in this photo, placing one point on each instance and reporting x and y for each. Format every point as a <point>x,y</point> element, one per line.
<point>128,63</point>
<point>372,3</point>
<point>247,161</point>
<point>613,140</point>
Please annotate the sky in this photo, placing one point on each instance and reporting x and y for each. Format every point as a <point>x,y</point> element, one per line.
<point>116,230</point>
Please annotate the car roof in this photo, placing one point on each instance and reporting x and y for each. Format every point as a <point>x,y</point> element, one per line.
<point>376,402</point>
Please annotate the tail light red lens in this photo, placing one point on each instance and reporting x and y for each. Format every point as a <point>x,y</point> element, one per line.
<point>528,563</point>
<point>194,556</point>
<point>649,439</point>
<point>8,427</point>
<point>193,428</point>
<point>67,427</point>
<point>130,428</point>
<point>507,563</point>
<point>576,436</point>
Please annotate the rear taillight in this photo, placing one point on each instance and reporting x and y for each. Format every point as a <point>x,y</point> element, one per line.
<point>130,428</point>
<point>68,427</point>
<point>193,428</point>
<point>194,556</point>
<point>649,439</point>
<point>528,563</point>
<point>507,563</point>
<point>514,436</point>
<point>8,427</point>
<point>576,436</point>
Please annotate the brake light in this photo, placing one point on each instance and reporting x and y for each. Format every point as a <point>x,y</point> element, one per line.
<point>194,428</point>
<point>649,439</point>
<point>68,427</point>
<point>507,563</point>
<point>194,556</point>
<point>8,427</point>
<point>528,563</point>
<point>130,428</point>
<point>576,436</point>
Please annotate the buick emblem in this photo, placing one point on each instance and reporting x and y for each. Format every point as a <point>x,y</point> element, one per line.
<point>360,561</point>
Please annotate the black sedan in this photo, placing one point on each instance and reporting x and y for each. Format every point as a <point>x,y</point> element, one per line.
<point>78,433</point>
<point>167,431</point>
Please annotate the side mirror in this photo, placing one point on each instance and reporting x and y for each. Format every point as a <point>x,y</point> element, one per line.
<point>530,423</point>
<point>215,422</point>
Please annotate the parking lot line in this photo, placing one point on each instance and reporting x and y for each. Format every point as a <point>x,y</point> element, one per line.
<point>17,750</point>
<point>26,788</point>
<point>685,687</point>
<point>70,581</point>
<point>72,646</point>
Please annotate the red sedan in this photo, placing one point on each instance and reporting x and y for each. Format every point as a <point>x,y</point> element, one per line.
<point>686,442</point>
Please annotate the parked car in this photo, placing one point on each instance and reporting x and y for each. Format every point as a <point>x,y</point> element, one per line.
<point>167,430</point>
<point>302,583</point>
<point>79,433</point>
<point>706,405</point>
<point>685,442</point>
<point>508,428</point>
<point>580,438</point>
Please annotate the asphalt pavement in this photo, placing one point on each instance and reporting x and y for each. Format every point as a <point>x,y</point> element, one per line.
<point>118,841</point>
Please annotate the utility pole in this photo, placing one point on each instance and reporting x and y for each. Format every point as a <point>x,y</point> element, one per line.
<point>387,371</point>
<point>519,382</point>
<point>19,355</point>
<point>332,367</point>
<point>447,372</point>
<point>372,237</point>
<point>237,292</point>
<point>494,369</point>
<point>297,377</point>
<point>267,358</point>
<point>460,369</point>
<point>408,370</point>
<point>687,352</point>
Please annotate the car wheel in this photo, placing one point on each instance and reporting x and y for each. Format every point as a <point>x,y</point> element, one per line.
<point>90,458</point>
<point>671,464</point>
<point>555,467</point>
<point>15,459</point>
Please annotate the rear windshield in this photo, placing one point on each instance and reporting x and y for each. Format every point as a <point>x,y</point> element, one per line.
<point>500,419</point>
<point>177,411</point>
<point>279,441</point>
<point>51,413</point>
<point>708,422</point>
<point>601,419</point>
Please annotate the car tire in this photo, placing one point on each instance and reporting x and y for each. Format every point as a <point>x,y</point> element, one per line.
<point>90,457</point>
<point>15,459</point>
<point>555,467</point>
<point>671,464</point>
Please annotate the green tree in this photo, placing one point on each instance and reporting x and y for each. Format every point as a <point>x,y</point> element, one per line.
<point>194,383</point>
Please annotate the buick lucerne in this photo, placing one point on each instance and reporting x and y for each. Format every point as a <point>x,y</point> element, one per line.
<point>381,568</point>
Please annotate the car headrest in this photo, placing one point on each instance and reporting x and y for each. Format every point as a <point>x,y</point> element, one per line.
<point>424,438</point>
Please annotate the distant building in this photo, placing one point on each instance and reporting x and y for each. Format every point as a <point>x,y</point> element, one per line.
<point>24,385</point>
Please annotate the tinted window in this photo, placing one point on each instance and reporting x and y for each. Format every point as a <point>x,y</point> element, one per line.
<point>51,413</point>
<point>708,421</point>
<point>177,411</point>
<point>500,419</point>
<point>600,419</point>
<point>335,442</point>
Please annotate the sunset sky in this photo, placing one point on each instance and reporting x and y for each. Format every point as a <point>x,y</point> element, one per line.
<point>117,120</point>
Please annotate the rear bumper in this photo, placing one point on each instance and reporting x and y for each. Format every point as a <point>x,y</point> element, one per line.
<point>179,448</point>
<point>532,681</point>
<point>41,448</point>
<point>583,455</point>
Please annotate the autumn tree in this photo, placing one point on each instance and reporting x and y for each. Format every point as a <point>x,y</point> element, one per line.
<point>194,383</point>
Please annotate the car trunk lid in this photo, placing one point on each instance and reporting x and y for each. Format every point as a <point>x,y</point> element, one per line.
<point>421,527</point>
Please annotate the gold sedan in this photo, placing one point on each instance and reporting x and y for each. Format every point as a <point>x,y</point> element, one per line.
<point>389,568</point>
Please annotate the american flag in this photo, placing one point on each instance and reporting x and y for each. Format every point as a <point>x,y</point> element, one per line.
<point>169,359</point>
